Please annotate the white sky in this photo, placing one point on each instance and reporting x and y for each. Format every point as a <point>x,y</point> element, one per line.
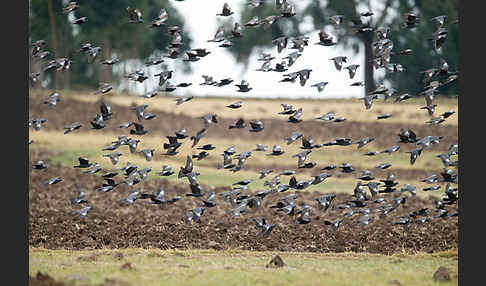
<point>201,23</point>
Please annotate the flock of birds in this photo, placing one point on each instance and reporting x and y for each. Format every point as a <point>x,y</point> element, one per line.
<point>364,202</point>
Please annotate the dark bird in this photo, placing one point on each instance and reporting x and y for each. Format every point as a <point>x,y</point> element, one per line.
<point>263,226</point>
<point>83,163</point>
<point>39,165</point>
<point>52,99</point>
<point>72,127</point>
<point>240,123</point>
<point>256,126</point>
<point>235,105</point>
<point>194,215</point>
<point>181,100</point>
<point>201,155</point>
<point>161,18</point>
<point>134,15</point>
<point>276,151</point>
<point>320,85</point>
<point>261,147</point>
<point>243,86</point>
<point>166,171</point>
<point>392,149</point>
<point>296,117</point>
<point>184,170</point>
<point>347,168</point>
<point>226,11</point>
<point>139,129</point>
<point>79,21</point>
<point>372,153</point>
<point>363,141</point>
<point>383,166</point>
<point>84,211</point>
<point>384,116</point>
<point>199,135</point>
<point>52,181</point>
<point>79,199</point>
<point>366,176</point>
<point>329,167</point>
<point>148,154</point>
<point>132,145</point>
<point>414,154</point>
<point>264,173</point>
<point>352,70</point>
<point>338,62</point>
<point>70,7</point>
<point>334,224</point>
<point>218,36</point>
<point>324,201</point>
<point>207,147</point>
<point>325,39</point>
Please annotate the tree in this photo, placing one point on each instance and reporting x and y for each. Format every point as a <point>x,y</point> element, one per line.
<point>107,27</point>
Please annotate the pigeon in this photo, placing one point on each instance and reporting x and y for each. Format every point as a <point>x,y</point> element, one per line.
<point>181,100</point>
<point>392,149</point>
<point>209,201</point>
<point>293,137</point>
<point>334,224</point>
<point>263,226</point>
<point>383,166</point>
<point>347,168</point>
<point>52,99</point>
<point>264,173</point>
<point>134,15</point>
<point>194,215</point>
<point>84,211</point>
<point>132,197</point>
<point>414,154</point>
<point>139,129</point>
<point>287,109</point>
<point>324,201</point>
<point>79,21</point>
<point>269,20</point>
<point>37,123</point>
<point>166,171</point>
<point>235,105</point>
<point>148,154</point>
<point>243,86</point>
<point>372,153</point>
<point>261,147</point>
<point>325,39</point>
<point>338,62</point>
<point>39,165</point>
<point>111,61</point>
<point>384,116</point>
<point>363,141</point>
<point>226,11</point>
<point>207,147</point>
<point>320,85</point>
<point>409,188</point>
<point>187,168</point>
<point>94,169</point>
<point>218,36</point>
<point>105,110</point>
<point>352,70</point>
<point>161,18</point>
<point>327,117</point>
<point>83,163</point>
<point>296,117</point>
<point>276,151</point>
<point>256,126</point>
<point>196,138</point>
<point>53,181</point>
<point>224,82</point>
<point>79,199</point>
<point>201,155</point>
<point>366,176</point>
<point>132,145</point>
<point>72,127</point>
<point>329,167</point>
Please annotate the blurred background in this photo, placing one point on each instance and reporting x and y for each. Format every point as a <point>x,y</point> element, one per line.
<point>108,28</point>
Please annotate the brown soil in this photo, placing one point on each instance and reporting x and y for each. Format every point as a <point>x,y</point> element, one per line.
<point>54,224</point>
<point>69,110</point>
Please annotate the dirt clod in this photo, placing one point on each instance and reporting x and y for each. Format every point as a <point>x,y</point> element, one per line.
<point>442,274</point>
<point>276,262</point>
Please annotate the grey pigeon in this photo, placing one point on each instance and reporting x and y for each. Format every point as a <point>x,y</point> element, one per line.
<point>72,127</point>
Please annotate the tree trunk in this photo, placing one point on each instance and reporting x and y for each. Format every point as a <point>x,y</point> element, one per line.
<point>367,39</point>
<point>52,21</point>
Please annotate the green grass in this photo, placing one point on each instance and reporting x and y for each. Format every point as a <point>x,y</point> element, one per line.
<point>234,267</point>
